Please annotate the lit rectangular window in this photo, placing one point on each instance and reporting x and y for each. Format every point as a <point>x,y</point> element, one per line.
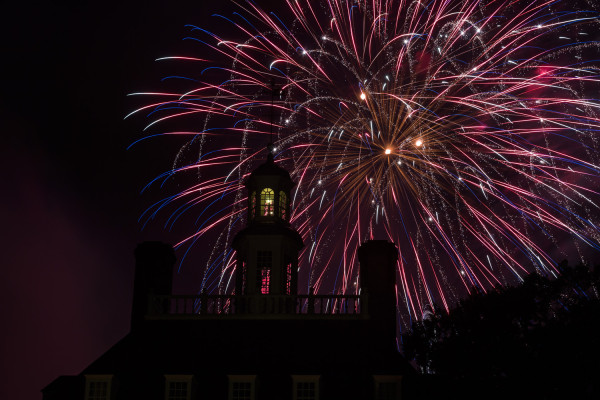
<point>282,205</point>
<point>241,387</point>
<point>265,280</point>
<point>387,387</point>
<point>178,387</point>
<point>306,387</point>
<point>266,202</point>
<point>264,262</point>
<point>98,387</point>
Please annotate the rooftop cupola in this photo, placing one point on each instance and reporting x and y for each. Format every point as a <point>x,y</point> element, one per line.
<point>267,248</point>
<point>269,189</point>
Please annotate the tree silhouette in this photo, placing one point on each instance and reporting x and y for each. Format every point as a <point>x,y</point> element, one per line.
<point>541,337</point>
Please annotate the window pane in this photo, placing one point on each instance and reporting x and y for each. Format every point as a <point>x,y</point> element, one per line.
<point>265,280</point>
<point>306,390</point>
<point>264,262</point>
<point>282,205</point>
<point>266,201</point>
<point>98,390</point>
<point>241,391</point>
<point>177,390</point>
<point>386,391</point>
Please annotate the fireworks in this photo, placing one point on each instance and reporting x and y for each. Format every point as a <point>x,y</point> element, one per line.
<point>463,131</point>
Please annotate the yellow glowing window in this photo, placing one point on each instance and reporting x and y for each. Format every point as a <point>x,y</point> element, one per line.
<point>282,205</point>
<point>267,197</point>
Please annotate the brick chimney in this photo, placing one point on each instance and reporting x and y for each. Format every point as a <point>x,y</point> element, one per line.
<point>378,281</point>
<point>154,263</point>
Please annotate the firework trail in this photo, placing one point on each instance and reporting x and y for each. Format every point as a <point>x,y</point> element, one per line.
<point>463,131</point>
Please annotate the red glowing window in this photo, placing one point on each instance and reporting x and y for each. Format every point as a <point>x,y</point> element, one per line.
<point>264,262</point>
<point>265,280</point>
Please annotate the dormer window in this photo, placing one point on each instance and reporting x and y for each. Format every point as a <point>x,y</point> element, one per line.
<point>98,387</point>
<point>178,387</point>
<point>267,200</point>
<point>387,387</point>
<point>282,205</point>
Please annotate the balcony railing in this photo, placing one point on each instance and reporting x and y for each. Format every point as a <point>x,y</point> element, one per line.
<point>264,305</point>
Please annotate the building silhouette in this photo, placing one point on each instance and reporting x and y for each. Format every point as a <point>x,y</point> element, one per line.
<point>263,341</point>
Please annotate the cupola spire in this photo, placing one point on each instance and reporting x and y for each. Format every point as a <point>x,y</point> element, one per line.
<point>267,248</point>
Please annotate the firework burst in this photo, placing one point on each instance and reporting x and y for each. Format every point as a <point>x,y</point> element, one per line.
<point>463,131</point>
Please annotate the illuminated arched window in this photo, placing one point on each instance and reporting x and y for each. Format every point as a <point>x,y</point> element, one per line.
<point>282,205</point>
<point>253,205</point>
<point>267,198</point>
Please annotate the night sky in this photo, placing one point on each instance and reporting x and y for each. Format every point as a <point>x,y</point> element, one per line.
<point>71,190</point>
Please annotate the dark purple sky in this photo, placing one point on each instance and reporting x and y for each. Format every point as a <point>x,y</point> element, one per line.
<point>70,197</point>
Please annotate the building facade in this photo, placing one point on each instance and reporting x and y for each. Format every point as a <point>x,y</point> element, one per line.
<point>265,340</point>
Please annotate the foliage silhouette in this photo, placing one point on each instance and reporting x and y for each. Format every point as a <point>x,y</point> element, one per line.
<point>541,338</point>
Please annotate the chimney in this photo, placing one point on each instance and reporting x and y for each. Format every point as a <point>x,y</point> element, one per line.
<point>154,263</point>
<point>377,260</point>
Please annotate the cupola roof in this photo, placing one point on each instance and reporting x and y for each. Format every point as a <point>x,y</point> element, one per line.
<point>269,168</point>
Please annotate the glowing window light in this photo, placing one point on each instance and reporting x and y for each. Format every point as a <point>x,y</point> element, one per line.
<point>265,280</point>
<point>282,205</point>
<point>264,262</point>
<point>266,201</point>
